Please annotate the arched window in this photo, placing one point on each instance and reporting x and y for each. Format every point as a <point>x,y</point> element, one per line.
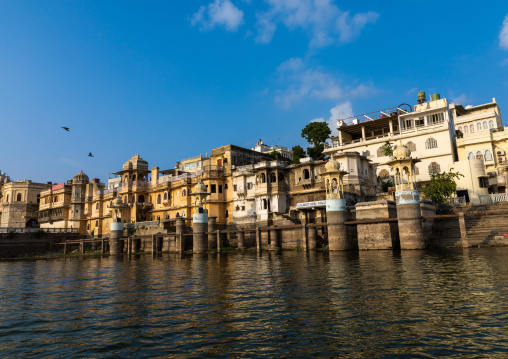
<point>184,213</point>
<point>460,129</point>
<point>367,153</point>
<point>384,174</point>
<point>273,177</point>
<point>306,174</point>
<point>380,152</point>
<point>18,197</point>
<point>159,199</point>
<point>479,155</point>
<point>184,192</point>
<point>7,199</point>
<point>97,206</point>
<point>97,223</point>
<point>141,198</point>
<point>177,214</point>
<point>237,208</point>
<point>434,168</point>
<point>430,143</point>
<point>471,128</point>
<point>133,178</point>
<point>491,124</point>
<point>488,155</point>
<point>281,177</point>
<point>485,125</point>
<point>263,178</point>
<point>466,129</point>
<point>470,156</point>
<point>479,126</point>
<point>227,214</point>
<point>165,196</point>
<point>411,145</point>
<point>167,216</point>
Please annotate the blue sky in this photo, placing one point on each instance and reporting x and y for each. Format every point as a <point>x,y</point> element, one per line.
<point>172,79</point>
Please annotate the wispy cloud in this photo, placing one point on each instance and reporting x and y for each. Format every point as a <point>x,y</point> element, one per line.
<point>305,82</point>
<point>503,35</point>
<point>324,23</point>
<point>342,110</point>
<point>218,13</point>
<point>461,100</point>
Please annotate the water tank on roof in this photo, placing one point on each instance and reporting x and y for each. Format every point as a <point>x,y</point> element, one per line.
<point>421,97</point>
<point>435,97</point>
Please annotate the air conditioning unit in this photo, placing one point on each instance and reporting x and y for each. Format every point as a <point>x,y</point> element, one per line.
<point>233,167</point>
<point>356,121</point>
<point>502,159</point>
<point>500,153</point>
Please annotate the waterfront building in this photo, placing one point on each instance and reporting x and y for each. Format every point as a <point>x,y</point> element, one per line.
<point>481,135</point>
<point>427,130</point>
<point>276,190</point>
<point>284,151</point>
<point>20,203</point>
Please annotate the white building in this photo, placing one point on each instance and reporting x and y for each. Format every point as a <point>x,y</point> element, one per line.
<point>284,151</point>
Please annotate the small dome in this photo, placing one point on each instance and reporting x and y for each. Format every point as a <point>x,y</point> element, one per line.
<point>80,177</point>
<point>200,187</point>
<point>332,165</point>
<point>401,152</point>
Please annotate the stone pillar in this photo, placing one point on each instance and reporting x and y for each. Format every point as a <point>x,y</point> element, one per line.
<point>305,238</point>
<point>179,238</point>
<point>115,238</point>
<point>409,216</point>
<point>103,250</point>
<point>390,123</point>
<point>65,248</point>
<point>274,238</point>
<point>463,232</point>
<point>363,133</point>
<point>199,237</point>
<point>336,216</point>
<point>264,239</point>
<point>312,233</point>
<point>258,240</point>
<point>219,242</point>
<point>241,239</point>
<point>212,242</point>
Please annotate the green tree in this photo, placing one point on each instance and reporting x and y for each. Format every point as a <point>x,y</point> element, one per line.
<point>298,152</point>
<point>441,186</point>
<point>274,153</point>
<point>316,133</point>
<point>388,149</point>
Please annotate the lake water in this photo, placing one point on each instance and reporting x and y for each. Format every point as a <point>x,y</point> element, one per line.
<point>375,304</point>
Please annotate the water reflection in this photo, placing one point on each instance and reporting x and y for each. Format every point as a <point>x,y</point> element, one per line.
<point>351,304</point>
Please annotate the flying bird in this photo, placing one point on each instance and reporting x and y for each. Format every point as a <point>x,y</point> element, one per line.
<point>90,154</point>
<point>66,128</point>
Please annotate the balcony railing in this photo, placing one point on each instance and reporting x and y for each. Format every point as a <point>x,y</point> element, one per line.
<point>493,198</point>
<point>34,230</point>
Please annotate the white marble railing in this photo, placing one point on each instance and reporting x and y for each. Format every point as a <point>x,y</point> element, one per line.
<point>493,198</point>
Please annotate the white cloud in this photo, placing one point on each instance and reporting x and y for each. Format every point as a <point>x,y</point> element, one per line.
<point>504,62</point>
<point>503,35</point>
<point>342,110</point>
<point>304,82</point>
<point>461,100</point>
<point>218,13</point>
<point>322,20</point>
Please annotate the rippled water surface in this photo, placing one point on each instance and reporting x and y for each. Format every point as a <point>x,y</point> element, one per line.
<point>382,304</point>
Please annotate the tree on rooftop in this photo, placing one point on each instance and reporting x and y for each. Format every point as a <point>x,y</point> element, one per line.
<point>316,134</point>
<point>441,186</point>
<point>298,152</point>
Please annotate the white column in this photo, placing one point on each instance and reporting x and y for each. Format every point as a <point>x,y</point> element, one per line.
<point>363,133</point>
<point>340,138</point>
<point>391,127</point>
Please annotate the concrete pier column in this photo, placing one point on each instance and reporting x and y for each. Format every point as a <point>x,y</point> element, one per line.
<point>265,239</point>
<point>212,227</point>
<point>305,236</point>
<point>241,239</point>
<point>179,238</point>
<point>115,238</point>
<point>409,216</point>
<point>82,246</point>
<point>312,233</point>
<point>103,250</point>
<point>66,248</point>
<point>274,239</point>
<point>199,237</point>
<point>154,243</point>
<point>336,215</point>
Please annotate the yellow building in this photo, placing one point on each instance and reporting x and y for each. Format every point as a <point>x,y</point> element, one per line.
<point>481,135</point>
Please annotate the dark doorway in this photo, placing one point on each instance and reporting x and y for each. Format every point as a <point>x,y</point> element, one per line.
<point>463,193</point>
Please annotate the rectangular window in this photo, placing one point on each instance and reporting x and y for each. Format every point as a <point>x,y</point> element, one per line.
<point>225,186</point>
<point>213,188</point>
<point>484,182</point>
<point>243,208</point>
<point>220,188</point>
<point>420,121</point>
<point>225,160</point>
<point>234,187</point>
<point>249,185</point>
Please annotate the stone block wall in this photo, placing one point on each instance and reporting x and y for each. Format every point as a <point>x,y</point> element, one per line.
<point>377,235</point>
